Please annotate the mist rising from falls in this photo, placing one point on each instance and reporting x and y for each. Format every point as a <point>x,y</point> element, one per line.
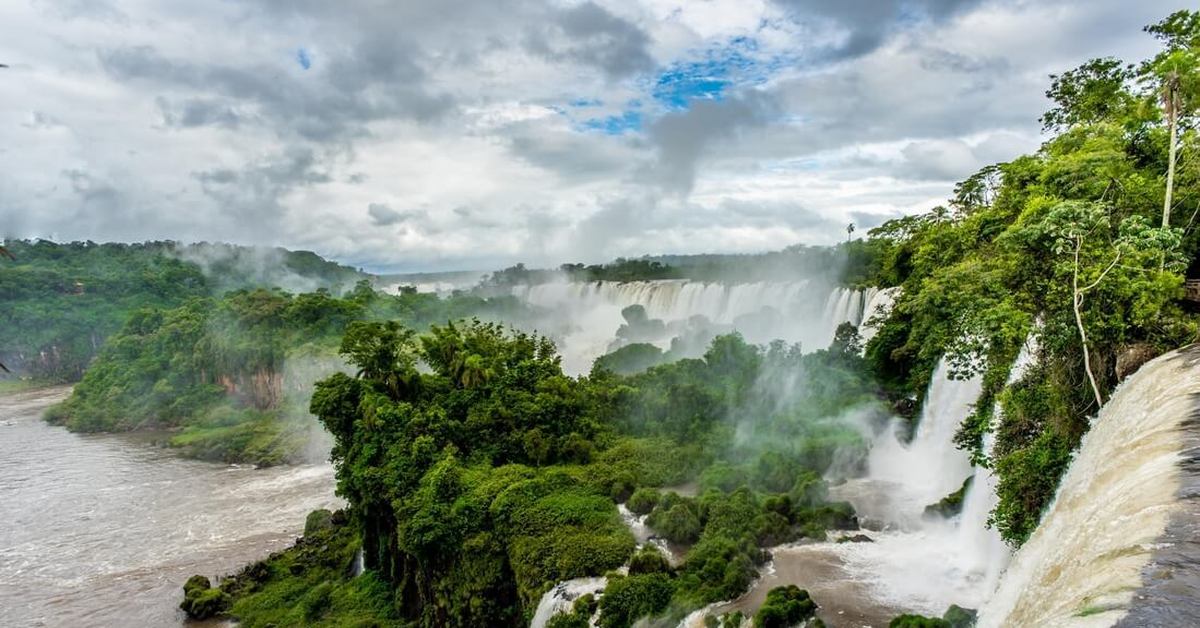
<point>984,551</point>
<point>807,312</point>
<point>917,563</point>
<point>1094,547</point>
<point>929,467</point>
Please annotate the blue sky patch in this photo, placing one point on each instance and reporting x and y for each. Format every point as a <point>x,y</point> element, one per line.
<point>716,71</point>
<point>303,58</point>
<point>627,121</point>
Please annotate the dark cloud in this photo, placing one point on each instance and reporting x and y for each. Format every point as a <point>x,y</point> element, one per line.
<point>681,138</point>
<point>375,79</point>
<point>252,198</point>
<point>573,156</point>
<point>868,23</point>
<point>194,112</point>
<point>601,39</point>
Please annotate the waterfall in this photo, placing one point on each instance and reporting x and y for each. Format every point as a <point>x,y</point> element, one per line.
<point>984,553</point>
<point>916,563</point>
<point>795,311</point>
<point>562,596</point>
<point>1118,540</point>
<point>644,535</point>
<point>929,467</point>
<point>877,302</point>
<point>356,569</point>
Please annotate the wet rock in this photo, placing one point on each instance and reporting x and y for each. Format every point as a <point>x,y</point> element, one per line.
<point>856,538</point>
<point>201,600</point>
<point>950,505</point>
<point>1132,358</point>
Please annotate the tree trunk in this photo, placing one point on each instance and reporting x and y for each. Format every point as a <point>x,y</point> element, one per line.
<point>1077,306</point>
<point>1171,120</point>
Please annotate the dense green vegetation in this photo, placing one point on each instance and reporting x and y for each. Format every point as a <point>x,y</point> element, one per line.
<point>849,263</point>
<point>479,475</point>
<point>61,301</point>
<point>784,607</point>
<point>954,617</point>
<point>1082,242</point>
<point>236,372</point>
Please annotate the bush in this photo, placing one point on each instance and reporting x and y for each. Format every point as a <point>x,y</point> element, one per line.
<point>678,524</point>
<point>785,606</point>
<point>643,501</point>
<point>648,560</point>
<point>629,598</point>
<point>917,621</point>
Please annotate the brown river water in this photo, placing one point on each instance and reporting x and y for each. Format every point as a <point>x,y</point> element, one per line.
<point>102,530</point>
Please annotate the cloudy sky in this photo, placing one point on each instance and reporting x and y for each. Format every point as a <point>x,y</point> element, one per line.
<point>443,134</point>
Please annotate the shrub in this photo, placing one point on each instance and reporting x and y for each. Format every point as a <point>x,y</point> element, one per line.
<point>643,501</point>
<point>785,606</point>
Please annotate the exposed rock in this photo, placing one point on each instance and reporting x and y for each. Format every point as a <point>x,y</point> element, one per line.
<point>201,600</point>
<point>1132,357</point>
<point>951,504</point>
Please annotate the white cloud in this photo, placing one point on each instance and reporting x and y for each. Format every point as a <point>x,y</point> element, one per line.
<point>476,130</point>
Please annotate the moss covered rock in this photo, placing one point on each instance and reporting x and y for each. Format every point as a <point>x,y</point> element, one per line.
<point>785,606</point>
<point>201,600</point>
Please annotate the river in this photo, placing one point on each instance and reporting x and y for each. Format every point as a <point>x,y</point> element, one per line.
<point>102,530</point>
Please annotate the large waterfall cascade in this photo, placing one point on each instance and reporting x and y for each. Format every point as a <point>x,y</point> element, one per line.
<point>929,467</point>
<point>984,552</point>
<point>1102,540</point>
<point>795,311</point>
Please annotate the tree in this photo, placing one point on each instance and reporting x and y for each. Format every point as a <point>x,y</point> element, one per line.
<point>1081,230</point>
<point>1092,92</point>
<point>1175,73</point>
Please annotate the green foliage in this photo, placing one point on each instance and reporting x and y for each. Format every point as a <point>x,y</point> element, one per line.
<point>63,300</point>
<point>236,372</point>
<point>630,359</point>
<point>648,560</point>
<point>1067,237</point>
<point>954,617</point>
<point>643,501</point>
<point>917,621</point>
<point>311,584</point>
<point>785,606</point>
<point>629,598</point>
<point>201,601</point>
<point>950,505</point>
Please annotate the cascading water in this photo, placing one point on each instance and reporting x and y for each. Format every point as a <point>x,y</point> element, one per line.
<point>646,536</point>
<point>795,311</point>
<point>921,472</point>
<point>915,563</point>
<point>876,302</point>
<point>561,598</point>
<point>1117,544</point>
<point>984,553</point>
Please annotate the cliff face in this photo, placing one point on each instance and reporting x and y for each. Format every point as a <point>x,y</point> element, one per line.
<point>261,389</point>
